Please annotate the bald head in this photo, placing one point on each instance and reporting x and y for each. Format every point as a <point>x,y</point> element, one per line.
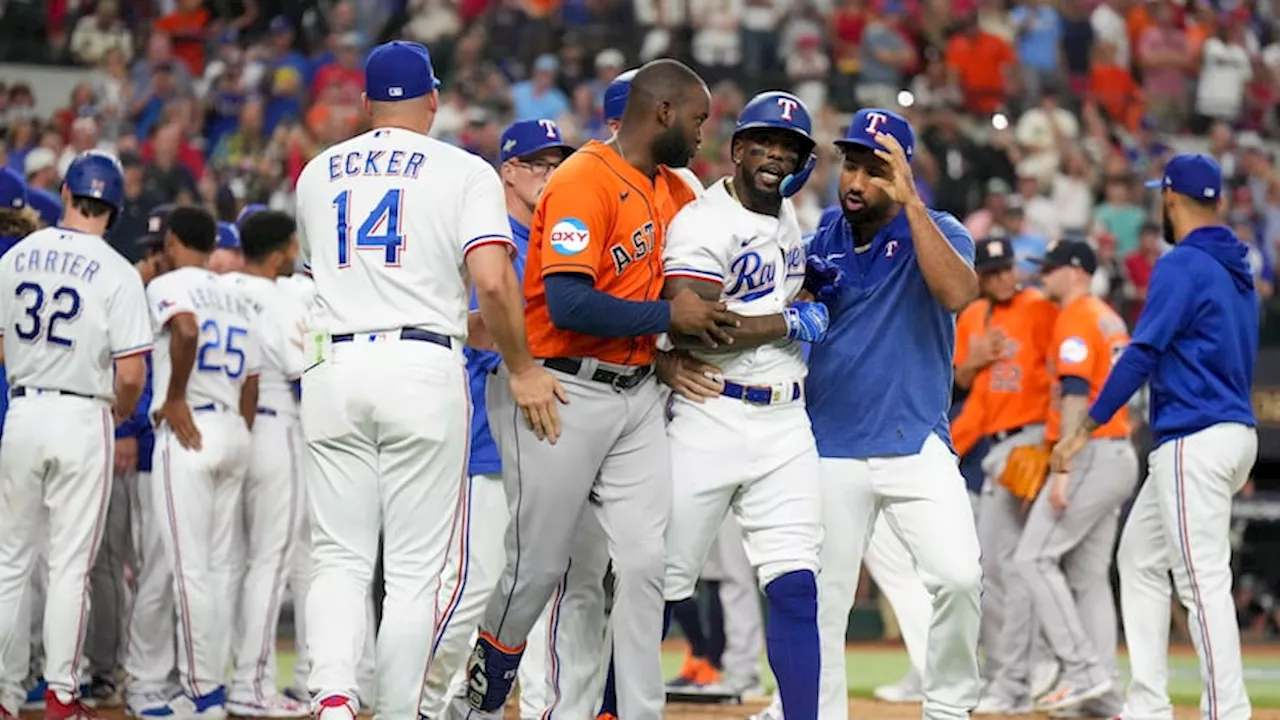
<point>665,110</point>
<point>658,82</point>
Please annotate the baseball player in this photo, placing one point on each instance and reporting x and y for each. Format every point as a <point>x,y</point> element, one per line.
<point>1002,341</point>
<point>227,256</point>
<point>1197,342</point>
<point>271,505</point>
<point>531,150</point>
<point>741,243</point>
<point>593,312</point>
<point>896,271</point>
<point>64,289</point>
<point>395,223</point>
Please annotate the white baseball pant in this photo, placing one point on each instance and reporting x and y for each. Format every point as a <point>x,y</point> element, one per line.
<point>150,663</point>
<point>270,514</point>
<point>890,566</point>
<point>743,619</point>
<point>926,505</point>
<point>1181,522</point>
<point>70,475</point>
<point>391,456</point>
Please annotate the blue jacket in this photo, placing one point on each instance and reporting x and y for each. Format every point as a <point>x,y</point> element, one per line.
<point>1197,340</point>
<point>139,426</point>
<point>6,244</point>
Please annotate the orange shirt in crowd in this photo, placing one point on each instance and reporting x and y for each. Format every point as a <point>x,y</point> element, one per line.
<point>187,31</point>
<point>600,217</point>
<point>1087,340</point>
<point>1013,391</point>
<point>980,62</point>
<point>1117,92</point>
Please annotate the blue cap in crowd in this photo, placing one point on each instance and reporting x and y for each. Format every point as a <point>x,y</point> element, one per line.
<point>399,70</point>
<point>13,192</point>
<point>246,211</point>
<point>47,205</point>
<point>228,236</point>
<point>527,137</point>
<point>1192,174</point>
<point>869,121</point>
<point>615,96</point>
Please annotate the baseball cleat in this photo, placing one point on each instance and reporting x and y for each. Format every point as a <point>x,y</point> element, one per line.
<point>491,672</point>
<point>337,707</point>
<point>1043,678</point>
<point>210,706</point>
<point>149,705</point>
<point>1067,695</point>
<point>101,692</point>
<point>35,696</point>
<point>5,714</point>
<point>297,694</point>
<point>773,712</point>
<point>906,690</point>
<point>72,709</point>
<point>277,706</point>
<point>996,705</point>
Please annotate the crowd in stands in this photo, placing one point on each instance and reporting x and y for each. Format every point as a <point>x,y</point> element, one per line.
<point>1037,119</point>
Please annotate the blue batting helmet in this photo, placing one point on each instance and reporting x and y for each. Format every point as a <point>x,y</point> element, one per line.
<point>95,174</point>
<point>615,96</point>
<point>782,111</point>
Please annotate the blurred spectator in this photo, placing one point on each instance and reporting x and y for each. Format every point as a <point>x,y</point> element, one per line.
<point>111,85</point>
<point>1165,57</point>
<point>238,151</point>
<point>1113,86</point>
<point>41,169</point>
<point>1043,133</point>
<point>84,104</point>
<point>1109,278</point>
<point>933,88</point>
<point>99,32</point>
<point>717,42</point>
<point>160,55</point>
<point>344,71</point>
<point>187,27</point>
<point>807,70</point>
<point>1138,266</point>
<point>138,202</point>
<point>1071,193</point>
<point>1042,217</point>
<point>885,58</point>
<point>538,97</point>
<point>1225,70</point>
<point>1109,27</point>
<point>169,180</point>
<point>1119,215</point>
<point>482,135</point>
<point>760,21</point>
<point>1038,29</point>
<point>1264,273</point>
<point>958,184</point>
<point>982,64</point>
<point>84,137</point>
<point>148,102</point>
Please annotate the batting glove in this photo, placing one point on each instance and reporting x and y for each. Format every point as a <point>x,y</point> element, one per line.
<point>807,321</point>
<point>822,278</point>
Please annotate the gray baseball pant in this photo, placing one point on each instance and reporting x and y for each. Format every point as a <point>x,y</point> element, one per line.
<point>613,447</point>
<point>109,605</point>
<point>1065,561</point>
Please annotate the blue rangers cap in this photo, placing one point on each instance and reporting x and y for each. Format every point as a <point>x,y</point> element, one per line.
<point>527,137</point>
<point>869,121</point>
<point>1195,175</point>
<point>228,236</point>
<point>399,70</point>
<point>47,205</point>
<point>13,191</point>
<point>615,96</point>
<point>246,211</point>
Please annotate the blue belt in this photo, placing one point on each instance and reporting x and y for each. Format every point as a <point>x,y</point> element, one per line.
<point>759,394</point>
<point>212,407</point>
<point>18,392</point>
<point>405,334</point>
<point>267,412</point>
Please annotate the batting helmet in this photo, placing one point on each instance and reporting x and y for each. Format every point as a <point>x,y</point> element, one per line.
<point>782,111</point>
<point>615,96</point>
<point>95,174</point>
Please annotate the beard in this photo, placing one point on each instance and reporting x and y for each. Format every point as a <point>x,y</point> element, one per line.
<point>868,214</point>
<point>672,149</point>
<point>756,195</point>
<point>1166,227</point>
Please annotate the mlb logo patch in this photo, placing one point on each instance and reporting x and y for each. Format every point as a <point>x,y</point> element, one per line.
<point>395,91</point>
<point>97,187</point>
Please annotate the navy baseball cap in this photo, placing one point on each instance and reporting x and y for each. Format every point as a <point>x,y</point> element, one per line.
<point>869,121</point>
<point>527,137</point>
<point>246,211</point>
<point>993,254</point>
<point>157,225</point>
<point>399,70</point>
<point>13,191</point>
<point>1195,175</point>
<point>228,236</point>
<point>1073,253</point>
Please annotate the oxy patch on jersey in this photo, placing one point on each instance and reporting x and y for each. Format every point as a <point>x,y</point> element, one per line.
<point>750,277</point>
<point>570,236</point>
<point>1073,350</point>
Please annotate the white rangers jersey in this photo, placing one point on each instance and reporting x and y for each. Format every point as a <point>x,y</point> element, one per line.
<point>69,305</point>
<point>385,221</point>
<point>758,260</point>
<point>281,325</point>
<point>303,289</point>
<point>227,351</point>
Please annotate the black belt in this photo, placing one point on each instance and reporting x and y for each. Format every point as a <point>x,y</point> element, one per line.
<point>617,380</point>
<point>405,334</point>
<point>22,392</point>
<point>1003,435</point>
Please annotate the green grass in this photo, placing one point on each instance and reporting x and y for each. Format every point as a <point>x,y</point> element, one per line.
<point>871,667</point>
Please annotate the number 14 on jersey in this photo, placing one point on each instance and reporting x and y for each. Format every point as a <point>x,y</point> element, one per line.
<point>379,231</point>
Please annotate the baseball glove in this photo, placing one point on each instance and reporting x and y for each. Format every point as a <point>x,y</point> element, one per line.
<point>1025,472</point>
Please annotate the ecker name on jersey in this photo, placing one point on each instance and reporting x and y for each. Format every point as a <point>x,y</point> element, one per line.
<point>385,221</point>
<point>69,304</point>
<point>227,351</point>
<point>759,262</point>
<point>280,326</point>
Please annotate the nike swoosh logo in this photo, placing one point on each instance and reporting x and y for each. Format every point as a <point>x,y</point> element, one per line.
<point>624,196</point>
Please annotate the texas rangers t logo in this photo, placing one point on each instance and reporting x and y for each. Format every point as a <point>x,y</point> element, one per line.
<point>550,126</point>
<point>788,105</point>
<point>874,121</point>
<point>890,248</point>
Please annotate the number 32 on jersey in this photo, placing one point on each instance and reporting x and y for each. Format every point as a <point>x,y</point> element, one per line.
<point>65,304</point>
<point>380,229</point>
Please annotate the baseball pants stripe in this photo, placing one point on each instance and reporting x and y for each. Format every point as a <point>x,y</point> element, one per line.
<point>1184,547</point>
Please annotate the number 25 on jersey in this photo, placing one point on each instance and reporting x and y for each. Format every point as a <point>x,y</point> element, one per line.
<point>379,231</point>
<point>45,312</point>
<point>221,352</point>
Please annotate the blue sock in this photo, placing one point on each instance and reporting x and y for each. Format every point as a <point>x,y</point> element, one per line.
<point>609,703</point>
<point>791,637</point>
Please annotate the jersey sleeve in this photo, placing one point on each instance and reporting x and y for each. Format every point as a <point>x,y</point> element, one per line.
<point>694,249</point>
<point>291,324</point>
<point>967,427</point>
<point>129,327</point>
<point>577,210</point>
<point>483,219</point>
<point>1074,355</point>
<point>167,299</point>
<point>967,325</point>
<point>955,233</point>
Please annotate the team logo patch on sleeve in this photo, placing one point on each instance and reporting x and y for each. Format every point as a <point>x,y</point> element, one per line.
<point>570,236</point>
<point>1073,350</point>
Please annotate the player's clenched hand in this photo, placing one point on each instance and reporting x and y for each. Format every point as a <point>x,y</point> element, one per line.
<point>691,315</point>
<point>987,348</point>
<point>178,415</point>
<point>536,391</point>
<point>1058,482</point>
<point>126,455</point>
<point>1067,448</point>
<point>688,376</point>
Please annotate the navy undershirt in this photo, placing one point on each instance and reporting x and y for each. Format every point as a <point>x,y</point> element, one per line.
<point>576,305</point>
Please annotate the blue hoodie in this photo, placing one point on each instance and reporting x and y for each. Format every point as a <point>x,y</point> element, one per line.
<point>1197,340</point>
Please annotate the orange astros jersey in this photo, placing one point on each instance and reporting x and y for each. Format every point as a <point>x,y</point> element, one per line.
<point>1087,340</point>
<point>600,217</point>
<point>1014,390</point>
